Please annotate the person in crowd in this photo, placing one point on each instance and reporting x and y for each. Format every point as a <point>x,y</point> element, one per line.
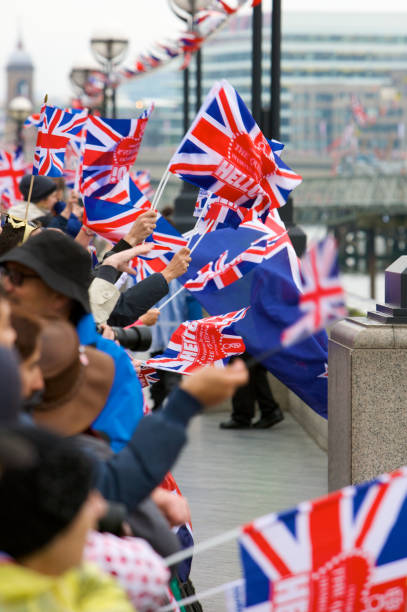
<point>47,508</point>
<point>43,198</point>
<point>50,275</point>
<point>244,400</point>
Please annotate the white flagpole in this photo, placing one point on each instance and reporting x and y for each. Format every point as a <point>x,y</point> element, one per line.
<point>195,550</point>
<point>204,595</point>
<point>161,186</point>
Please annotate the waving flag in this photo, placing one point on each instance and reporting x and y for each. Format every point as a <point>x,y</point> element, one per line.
<point>147,376</point>
<point>142,179</point>
<point>272,289</point>
<point>226,153</point>
<point>12,170</point>
<point>111,149</point>
<point>123,192</point>
<point>345,551</point>
<point>322,299</point>
<point>110,220</point>
<point>202,342</point>
<point>33,120</point>
<point>56,129</point>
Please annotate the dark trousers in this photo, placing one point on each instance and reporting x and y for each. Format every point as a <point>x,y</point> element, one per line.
<point>257,389</point>
<point>163,387</point>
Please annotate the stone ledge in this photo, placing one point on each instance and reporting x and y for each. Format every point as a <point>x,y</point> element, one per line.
<point>363,333</point>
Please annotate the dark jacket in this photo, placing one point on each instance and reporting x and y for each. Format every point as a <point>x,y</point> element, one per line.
<point>130,475</point>
<point>138,299</point>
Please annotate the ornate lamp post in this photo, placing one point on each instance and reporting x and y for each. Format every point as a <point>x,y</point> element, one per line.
<point>19,109</point>
<point>186,10</point>
<point>109,49</point>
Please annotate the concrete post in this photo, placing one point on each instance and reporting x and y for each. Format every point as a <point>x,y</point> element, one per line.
<point>367,388</point>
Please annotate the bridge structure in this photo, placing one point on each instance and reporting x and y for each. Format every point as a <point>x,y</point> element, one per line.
<point>367,214</point>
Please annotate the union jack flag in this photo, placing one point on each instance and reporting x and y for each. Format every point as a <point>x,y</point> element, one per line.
<point>142,179</point>
<point>344,551</point>
<point>12,170</point>
<point>110,220</point>
<point>202,342</point>
<point>221,273</point>
<point>124,192</point>
<point>56,129</point>
<point>111,149</point>
<point>147,376</point>
<point>226,153</point>
<point>322,298</point>
<point>33,120</point>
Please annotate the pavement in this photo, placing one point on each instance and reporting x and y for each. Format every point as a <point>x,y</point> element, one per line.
<point>232,477</point>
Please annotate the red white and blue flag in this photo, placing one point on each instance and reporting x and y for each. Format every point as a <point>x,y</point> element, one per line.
<point>322,300</point>
<point>226,153</point>
<point>33,120</point>
<point>12,170</point>
<point>147,376</point>
<point>345,552</point>
<point>200,343</point>
<point>111,149</point>
<point>142,179</point>
<point>56,129</point>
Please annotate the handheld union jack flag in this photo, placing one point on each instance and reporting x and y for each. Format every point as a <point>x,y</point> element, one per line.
<point>12,170</point>
<point>344,551</point>
<point>147,376</point>
<point>142,179</point>
<point>33,120</point>
<point>226,153</point>
<point>202,342</point>
<point>111,149</point>
<point>220,273</point>
<point>110,220</point>
<point>322,299</point>
<point>56,129</point>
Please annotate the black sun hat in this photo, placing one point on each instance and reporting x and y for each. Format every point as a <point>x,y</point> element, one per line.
<point>63,264</point>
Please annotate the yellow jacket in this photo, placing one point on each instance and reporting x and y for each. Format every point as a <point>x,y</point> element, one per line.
<point>83,589</point>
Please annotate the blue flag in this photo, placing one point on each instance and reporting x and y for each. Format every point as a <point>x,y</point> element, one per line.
<point>271,291</point>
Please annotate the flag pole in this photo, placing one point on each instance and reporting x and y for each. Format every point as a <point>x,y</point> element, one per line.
<point>198,548</point>
<point>32,181</point>
<point>192,250</point>
<point>161,186</point>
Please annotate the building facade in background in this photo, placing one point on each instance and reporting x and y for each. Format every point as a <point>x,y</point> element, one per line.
<point>344,87</point>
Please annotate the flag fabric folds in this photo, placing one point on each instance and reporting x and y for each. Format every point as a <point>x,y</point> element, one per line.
<point>111,149</point>
<point>226,153</point>
<point>202,342</point>
<point>56,129</point>
<point>12,170</point>
<point>272,288</point>
<point>322,298</point>
<point>344,551</point>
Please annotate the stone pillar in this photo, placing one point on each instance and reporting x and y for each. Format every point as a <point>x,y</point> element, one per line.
<point>367,400</point>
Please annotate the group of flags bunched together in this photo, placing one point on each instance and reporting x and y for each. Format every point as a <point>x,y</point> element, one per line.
<point>244,270</point>
<point>346,551</point>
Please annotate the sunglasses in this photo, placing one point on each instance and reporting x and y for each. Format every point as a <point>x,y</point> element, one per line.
<point>16,277</point>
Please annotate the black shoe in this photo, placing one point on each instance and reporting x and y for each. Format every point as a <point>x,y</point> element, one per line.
<point>232,424</point>
<point>269,421</point>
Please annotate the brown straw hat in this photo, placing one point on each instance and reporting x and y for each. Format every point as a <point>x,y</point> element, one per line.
<point>77,380</point>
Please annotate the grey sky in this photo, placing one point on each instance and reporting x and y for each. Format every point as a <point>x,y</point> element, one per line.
<point>56,34</point>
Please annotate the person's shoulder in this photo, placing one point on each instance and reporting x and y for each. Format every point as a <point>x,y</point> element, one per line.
<point>96,591</point>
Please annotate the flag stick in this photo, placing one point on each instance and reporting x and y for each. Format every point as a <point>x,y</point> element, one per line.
<point>79,165</point>
<point>171,297</point>
<point>32,181</point>
<point>204,595</point>
<point>160,189</point>
<point>194,550</point>
<point>192,250</point>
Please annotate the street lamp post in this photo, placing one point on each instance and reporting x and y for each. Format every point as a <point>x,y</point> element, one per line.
<point>109,49</point>
<point>19,109</point>
<point>297,235</point>
<point>186,10</point>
